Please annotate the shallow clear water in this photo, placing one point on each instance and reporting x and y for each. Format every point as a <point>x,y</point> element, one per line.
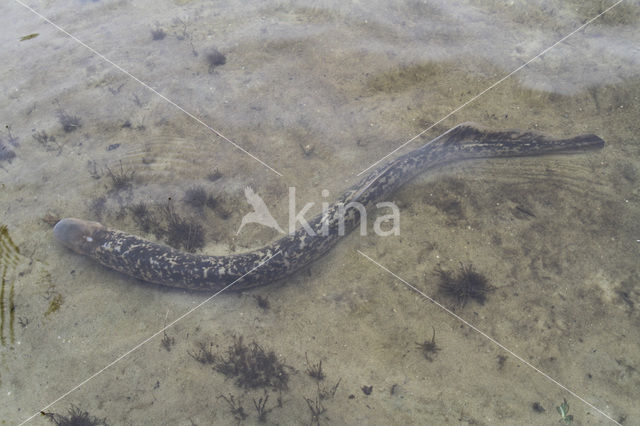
<point>119,103</point>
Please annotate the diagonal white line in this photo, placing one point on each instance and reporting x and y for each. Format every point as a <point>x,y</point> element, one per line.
<point>145,341</point>
<point>491,339</point>
<point>142,83</point>
<point>492,86</point>
<point>275,171</point>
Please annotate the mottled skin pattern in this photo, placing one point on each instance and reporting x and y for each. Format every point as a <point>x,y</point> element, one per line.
<point>159,264</point>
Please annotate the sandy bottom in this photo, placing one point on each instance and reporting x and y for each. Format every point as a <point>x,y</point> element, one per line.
<point>315,96</point>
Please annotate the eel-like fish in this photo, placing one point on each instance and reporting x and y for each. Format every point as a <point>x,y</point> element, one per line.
<point>156,263</point>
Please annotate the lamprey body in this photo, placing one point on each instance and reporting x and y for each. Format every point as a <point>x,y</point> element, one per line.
<point>163,265</point>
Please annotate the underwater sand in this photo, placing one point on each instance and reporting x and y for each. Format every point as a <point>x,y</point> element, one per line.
<point>317,94</point>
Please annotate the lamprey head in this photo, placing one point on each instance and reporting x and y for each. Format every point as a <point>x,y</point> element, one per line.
<point>77,234</point>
